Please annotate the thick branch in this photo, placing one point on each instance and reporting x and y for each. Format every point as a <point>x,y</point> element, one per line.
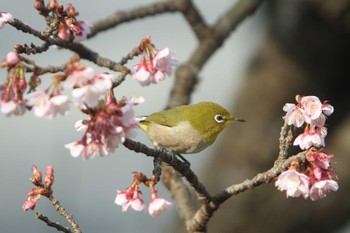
<point>186,75</point>
<point>194,18</point>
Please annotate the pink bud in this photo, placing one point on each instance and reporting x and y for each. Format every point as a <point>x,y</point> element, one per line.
<point>32,192</point>
<point>36,173</point>
<point>12,58</point>
<point>49,170</point>
<point>28,204</point>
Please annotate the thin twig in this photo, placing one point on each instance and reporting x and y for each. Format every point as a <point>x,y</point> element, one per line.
<point>174,162</point>
<point>65,214</point>
<point>49,69</point>
<point>56,225</point>
<point>120,17</point>
<point>78,48</point>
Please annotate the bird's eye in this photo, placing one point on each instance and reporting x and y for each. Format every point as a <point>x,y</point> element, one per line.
<point>219,119</point>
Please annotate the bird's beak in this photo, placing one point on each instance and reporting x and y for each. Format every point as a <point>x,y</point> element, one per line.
<point>236,119</point>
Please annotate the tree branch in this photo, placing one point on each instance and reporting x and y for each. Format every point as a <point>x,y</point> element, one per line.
<point>78,48</point>
<point>65,214</point>
<point>55,225</point>
<point>203,215</point>
<point>120,17</point>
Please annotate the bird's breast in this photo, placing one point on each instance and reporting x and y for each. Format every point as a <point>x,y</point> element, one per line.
<point>181,138</point>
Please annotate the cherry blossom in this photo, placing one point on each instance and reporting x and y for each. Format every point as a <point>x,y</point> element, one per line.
<point>294,183</point>
<point>155,64</point>
<point>85,30</point>
<point>80,29</point>
<point>311,137</point>
<point>312,106</point>
<point>12,108</point>
<point>309,109</point>
<point>79,77</point>
<point>47,106</point>
<point>90,92</point>
<point>5,18</point>
<point>320,189</point>
<point>87,86</point>
<point>320,159</point>
<point>295,115</point>
<point>108,127</point>
<point>129,198</point>
<point>157,204</point>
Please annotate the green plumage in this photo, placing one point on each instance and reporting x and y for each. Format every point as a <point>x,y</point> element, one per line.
<point>199,124</point>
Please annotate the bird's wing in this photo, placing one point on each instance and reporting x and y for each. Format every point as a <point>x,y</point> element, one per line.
<point>163,118</point>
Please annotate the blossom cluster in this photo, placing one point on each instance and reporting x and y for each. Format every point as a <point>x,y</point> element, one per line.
<point>42,188</point>
<point>155,64</point>
<point>314,178</point>
<point>130,197</point>
<point>110,123</point>
<point>69,27</point>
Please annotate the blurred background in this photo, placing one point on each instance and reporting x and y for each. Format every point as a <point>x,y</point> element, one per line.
<point>287,47</point>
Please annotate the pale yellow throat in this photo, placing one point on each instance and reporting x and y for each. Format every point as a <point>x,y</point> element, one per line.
<point>181,138</point>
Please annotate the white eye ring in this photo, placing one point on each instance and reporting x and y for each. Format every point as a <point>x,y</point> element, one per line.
<point>219,119</point>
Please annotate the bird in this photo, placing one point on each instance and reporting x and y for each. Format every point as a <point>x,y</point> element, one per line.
<point>187,129</point>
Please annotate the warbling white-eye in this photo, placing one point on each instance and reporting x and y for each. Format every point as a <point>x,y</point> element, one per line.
<point>188,128</point>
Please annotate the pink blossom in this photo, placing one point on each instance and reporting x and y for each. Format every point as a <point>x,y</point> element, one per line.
<point>80,29</point>
<point>309,109</point>
<point>78,78</point>
<point>311,137</point>
<point>46,106</point>
<point>295,183</point>
<point>295,115</point>
<point>76,148</point>
<point>13,107</point>
<point>129,198</point>
<point>39,101</point>
<point>320,189</point>
<point>80,126</point>
<point>90,92</point>
<point>141,74</point>
<point>106,129</point>
<point>157,205</point>
<point>327,109</point>
<point>88,151</point>
<point>164,63</point>
<point>5,18</point>
<point>154,69</point>
<point>123,197</point>
<point>320,159</point>
<point>85,28</point>
<point>312,106</point>
<point>58,104</point>
<point>12,58</point>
